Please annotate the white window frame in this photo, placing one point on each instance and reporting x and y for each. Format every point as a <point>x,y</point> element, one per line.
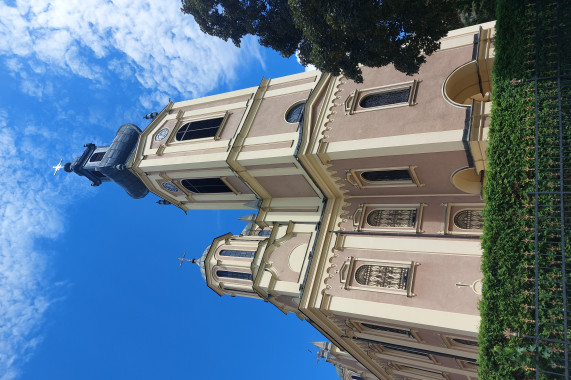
<point>449,228</point>
<point>350,268</point>
<point>360,217</point>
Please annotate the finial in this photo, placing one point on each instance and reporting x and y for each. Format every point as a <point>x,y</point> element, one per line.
<point>183,259</point>
<point>58,167</point>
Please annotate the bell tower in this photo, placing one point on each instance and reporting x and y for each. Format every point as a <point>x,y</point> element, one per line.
<point>108,163</point>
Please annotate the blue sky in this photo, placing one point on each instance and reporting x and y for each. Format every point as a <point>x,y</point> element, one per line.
<point>87,290</point>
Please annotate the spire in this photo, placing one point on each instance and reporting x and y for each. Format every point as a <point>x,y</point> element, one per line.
<point>109,163</point>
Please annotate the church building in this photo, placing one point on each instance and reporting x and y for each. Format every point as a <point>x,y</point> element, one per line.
<point>366,201</point>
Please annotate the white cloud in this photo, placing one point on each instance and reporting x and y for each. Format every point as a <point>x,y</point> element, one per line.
<point>150,40</point>
<point>28,211</point>
<point>308,67</point>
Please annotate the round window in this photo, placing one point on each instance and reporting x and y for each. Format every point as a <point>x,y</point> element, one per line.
<point>170,187</point>
<point>161,134</point>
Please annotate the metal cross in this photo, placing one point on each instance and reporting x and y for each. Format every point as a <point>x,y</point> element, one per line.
<point>183,259</point>
<point>57,167</point>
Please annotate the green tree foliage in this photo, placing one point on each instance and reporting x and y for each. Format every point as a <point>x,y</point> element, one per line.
<point>334,35</point>
<point>476,11</point>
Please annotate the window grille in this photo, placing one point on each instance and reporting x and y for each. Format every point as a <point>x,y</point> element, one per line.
<point>199,129</point>
<point>379,99</point>
<point>295,113</point>
<point>205,185</point>
<point>382,276</point>
<point>392,218</point>
<point>234,253</point>
<point>230,274</point>
<point>385,328</point>
<point>469,220</point>
<point>96,157</point>
<point>387,175</point>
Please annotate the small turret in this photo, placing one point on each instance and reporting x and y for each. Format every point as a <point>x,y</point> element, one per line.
<point>108,163</point>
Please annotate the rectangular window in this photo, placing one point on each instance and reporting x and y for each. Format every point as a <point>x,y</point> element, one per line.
<point>385,328</point>
<point>401,352</point>
<point>235,253</point>
<point>199,129</point>
<point>96,157</point>
<point>404,176</point>
<point>236,275</point>
<point>392,218</point>
<point>205,185</point>
<point>385,98</point>
<point>374,328</point>
<point>382,276</point>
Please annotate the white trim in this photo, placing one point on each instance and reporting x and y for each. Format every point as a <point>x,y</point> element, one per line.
<point>448,322</point>
<point>461,247</point>
<point>429,142</point>
<point>215,98</point>
<point>290,90</point>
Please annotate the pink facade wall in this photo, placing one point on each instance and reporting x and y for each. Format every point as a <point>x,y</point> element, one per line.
<point>280,257</point>
<point>287,186</point>
<point>239,185</point>
<point>433,213</point>
<point>430,340</point>
<point>433,170</point>
<point>270,119</point>
<point>434,282</point>
<point>432,112</point>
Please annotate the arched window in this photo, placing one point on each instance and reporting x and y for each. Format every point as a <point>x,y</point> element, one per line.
<point>387,175</point>
<point>382,276</point>
<point>392,218</point>
<point>386,98</point>
<point>295,113</point>
<point>233,253</point>
<point>205,185</point>
<point>230,274</point>
<point>469,220</point>
<point>199,129</point>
